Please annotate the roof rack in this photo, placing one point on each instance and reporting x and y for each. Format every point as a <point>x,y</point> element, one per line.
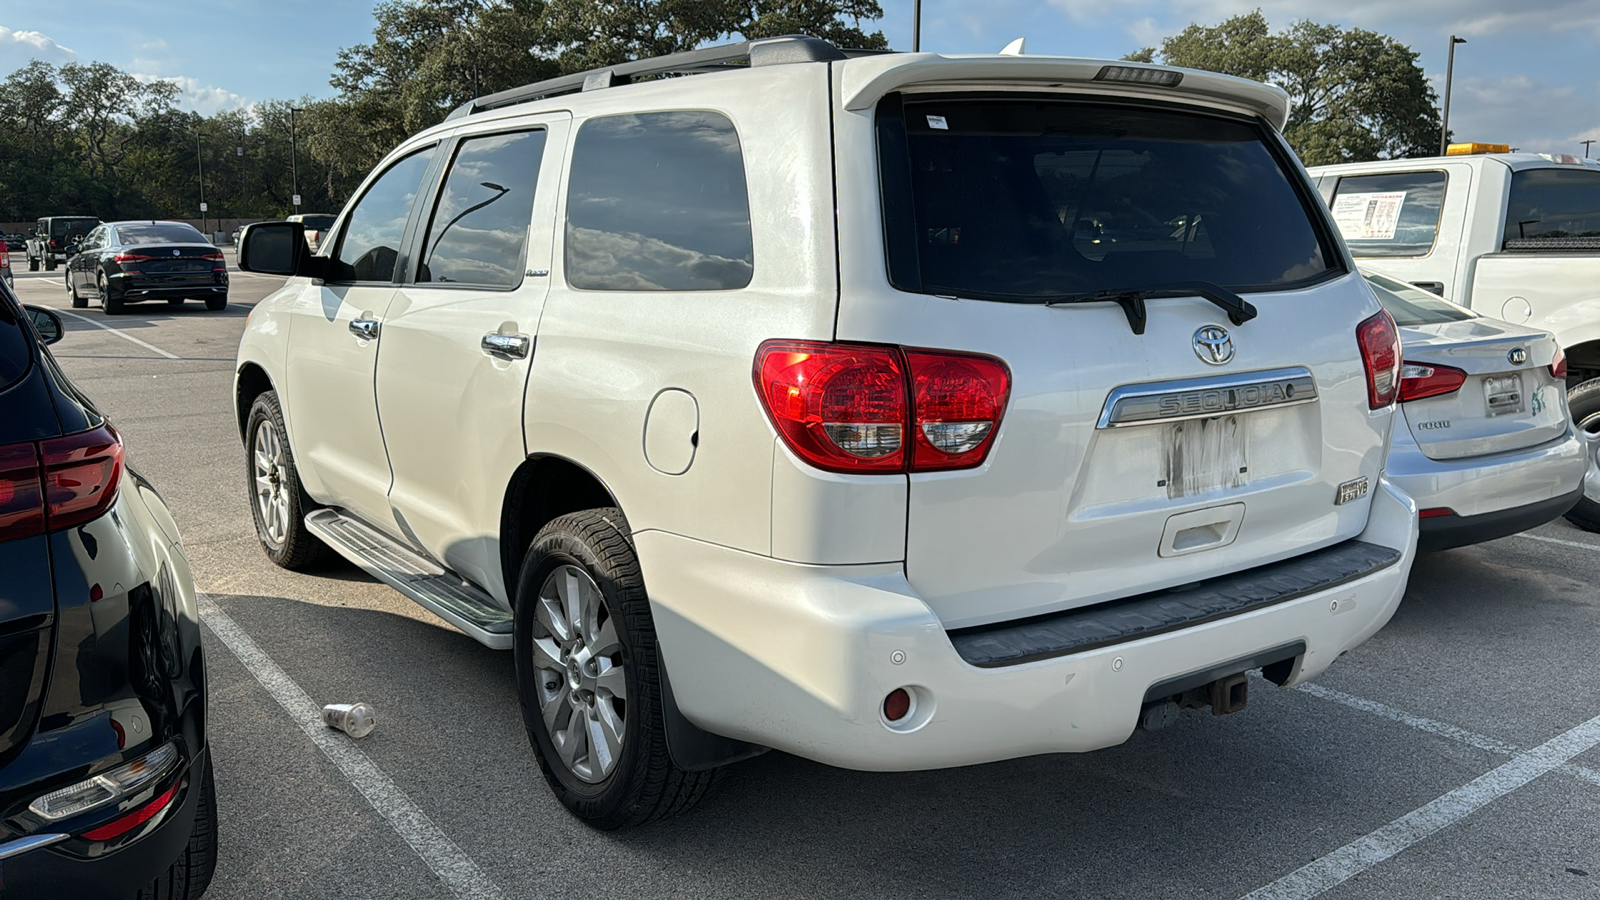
<point>775,51</point>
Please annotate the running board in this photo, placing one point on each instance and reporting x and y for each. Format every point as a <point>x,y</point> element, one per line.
<point>434,588</point>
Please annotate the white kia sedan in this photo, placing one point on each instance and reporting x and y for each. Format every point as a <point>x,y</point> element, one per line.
<point>1485,446</point>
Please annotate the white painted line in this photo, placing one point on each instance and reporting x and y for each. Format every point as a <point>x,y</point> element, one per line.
<point>1550,540</point>
<point>1363,853</point>
<point>121,334</point>
<point>454,867</point>
<point>1442,729</point>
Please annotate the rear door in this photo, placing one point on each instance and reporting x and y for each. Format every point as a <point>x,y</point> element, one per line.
<point>459,336</point>
<point>1131,457</point>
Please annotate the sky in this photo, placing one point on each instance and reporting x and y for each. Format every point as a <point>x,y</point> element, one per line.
<point>1529,74</point>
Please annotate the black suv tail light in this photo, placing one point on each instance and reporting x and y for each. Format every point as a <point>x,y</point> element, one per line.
<point>58,483</point>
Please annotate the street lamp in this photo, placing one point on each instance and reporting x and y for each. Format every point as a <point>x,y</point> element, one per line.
<point>1586,146</point>
<point>916,25</point>
<point>1449,73</point>
<point>200,167</point>
<point>294,162</point>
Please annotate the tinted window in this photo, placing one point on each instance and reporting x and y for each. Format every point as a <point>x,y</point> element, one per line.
<point>479,231</point>
<point>1028,199</point>
<point>14,353</point>
<point>658,203</point>
<point>159,233</point>
<point>1553,203</point>
<point>70,227</point>
<point>1389,215</point>
<point>370,246</point>
<point>314,223</point>
<point>1413,306</point>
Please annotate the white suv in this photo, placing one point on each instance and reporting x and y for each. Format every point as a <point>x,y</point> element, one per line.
<point>896,411</point>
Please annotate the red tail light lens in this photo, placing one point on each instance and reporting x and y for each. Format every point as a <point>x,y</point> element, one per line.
<point>1380,354</point>
<point>129,257</point>
<point>870,408</point>
<point>81,472</point>
<point>957,401</point>
<point>1418,381</point>
<point>21,504</point>
<point>216,256</point>
<point>1558,366</point>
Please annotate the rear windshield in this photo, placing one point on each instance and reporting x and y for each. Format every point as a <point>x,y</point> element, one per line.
<point>1553,206</point>
<point>317,223</point>
<point>1025,199</point>
<point>1412,305</point>
<point>60,227</point>
<point>159,233</point>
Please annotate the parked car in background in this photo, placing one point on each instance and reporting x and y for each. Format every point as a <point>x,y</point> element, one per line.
<point>127,262</point>
<point>1485,444</point>
<point>105,772</point>
<point>1515,236</point>
<point>15,242</point>
<point>53,239</point>
<point>889,485</point>
<point>316,225</point>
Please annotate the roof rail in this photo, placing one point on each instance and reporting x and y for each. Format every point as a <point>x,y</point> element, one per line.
<point>775,51</point>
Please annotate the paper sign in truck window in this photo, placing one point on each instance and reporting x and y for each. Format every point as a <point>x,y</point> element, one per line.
<point>1368,216</point>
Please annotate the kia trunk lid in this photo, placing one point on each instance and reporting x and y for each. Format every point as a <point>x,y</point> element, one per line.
<point>1188,395</point>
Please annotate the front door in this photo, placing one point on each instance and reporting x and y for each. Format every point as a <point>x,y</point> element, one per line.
<point>334,334</point>
<point>458,340</point>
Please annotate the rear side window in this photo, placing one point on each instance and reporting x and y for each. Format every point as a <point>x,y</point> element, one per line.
<point>1027,199</point>
<point>658,202</point>
<point>160,233</point>
<point>1553,209</point>
<point>14,337</point>
<point>370,246</point>
<point>1389,215</point>
<point>479,231</point>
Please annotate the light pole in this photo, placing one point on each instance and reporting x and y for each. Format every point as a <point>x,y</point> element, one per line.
<point>1449,73</point>
<point>294,162</point>
<point>1586,146</point>
<point>916,25</point>
<point>200,167</point>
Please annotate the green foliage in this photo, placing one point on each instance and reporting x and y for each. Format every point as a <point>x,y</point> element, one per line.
<point>1358,95</point>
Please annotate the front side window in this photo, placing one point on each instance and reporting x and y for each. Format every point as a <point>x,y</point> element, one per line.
<point>1028,199</point>
<point>1393,215</point>
<point>1551,204</point>
<point>370,246</point>
<point>658,202</point>
<point>479,231</point>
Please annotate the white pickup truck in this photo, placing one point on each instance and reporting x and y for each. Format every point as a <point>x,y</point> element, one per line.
<point>1511,235</point>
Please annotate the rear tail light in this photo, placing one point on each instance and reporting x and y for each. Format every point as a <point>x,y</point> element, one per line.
<point>102,790</point>
<point>1380,354</point>
<point>880,409</point>
<point>1558,366</point>
<point>129,257</point>
<point>59,483</point>
<point>216,256</point>
<point>1418,381</point>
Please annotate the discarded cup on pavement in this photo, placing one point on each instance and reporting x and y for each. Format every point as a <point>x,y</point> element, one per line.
<point>354,719</point>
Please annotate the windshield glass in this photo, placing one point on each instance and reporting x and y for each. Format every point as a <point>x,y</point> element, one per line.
<point>1412,305</point>
<point>316,223</point>
<point>1029,199</point>
<point>1554,203</point>
<point>159,233</point>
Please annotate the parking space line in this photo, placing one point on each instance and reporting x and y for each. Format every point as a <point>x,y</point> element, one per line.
<point>121,334</point>
<point>457,870</point>
<point>1365,852</point>
<point>1550,540</point>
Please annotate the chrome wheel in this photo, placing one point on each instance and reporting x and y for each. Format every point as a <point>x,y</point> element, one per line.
<point>1589,429</point>
<point>272,483</point>
<point>582,688</point>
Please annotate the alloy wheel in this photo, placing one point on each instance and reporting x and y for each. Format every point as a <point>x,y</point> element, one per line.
<point>583,693</point>
<point>271,472</point>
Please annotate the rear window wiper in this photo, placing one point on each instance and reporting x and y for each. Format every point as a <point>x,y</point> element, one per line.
<point>1131,300</point>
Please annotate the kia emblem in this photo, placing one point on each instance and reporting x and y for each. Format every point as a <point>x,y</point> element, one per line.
<point>1518,355</point>
<point>1213,345</point>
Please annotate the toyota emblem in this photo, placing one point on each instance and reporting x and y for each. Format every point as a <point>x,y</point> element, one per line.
<point>1518,355</point>
<point>1213,345</point>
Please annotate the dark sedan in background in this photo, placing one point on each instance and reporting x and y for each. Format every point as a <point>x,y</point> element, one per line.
<point>106,788</point>
<point>126,262</point>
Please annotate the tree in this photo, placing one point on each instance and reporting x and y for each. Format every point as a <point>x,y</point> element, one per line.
<point>1358,95</point>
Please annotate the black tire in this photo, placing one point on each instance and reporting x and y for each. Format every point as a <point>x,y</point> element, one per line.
<point>33,264</point>
<point>78,300</point>
<point>49,262</point>
<point>174,301</point>
<point>644,785</point>
<point>1584,401</point>
<point>190,874</point>
<point>297,548</point>
<point>217,304</point>
<point>112,305</point>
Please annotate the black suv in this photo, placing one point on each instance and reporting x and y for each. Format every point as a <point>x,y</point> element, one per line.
<point>51,241</point>
<point>105,781</point>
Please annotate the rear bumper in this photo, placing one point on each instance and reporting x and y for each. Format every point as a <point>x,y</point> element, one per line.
<point>1491,496</point>
<point>799,658</point>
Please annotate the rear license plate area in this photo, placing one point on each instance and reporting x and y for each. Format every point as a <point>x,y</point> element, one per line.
<point>1503,394</point>
<point>1202,455</point>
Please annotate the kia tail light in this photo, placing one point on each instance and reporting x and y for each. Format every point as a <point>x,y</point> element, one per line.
<point>872,408</point>
<point>58,483</point>
<point>1558,366</point>
<point>1380,356</point>
<point>1419,380</point>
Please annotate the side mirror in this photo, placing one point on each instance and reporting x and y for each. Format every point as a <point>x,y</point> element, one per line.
<point>278,248</point>
<point>46,324</point>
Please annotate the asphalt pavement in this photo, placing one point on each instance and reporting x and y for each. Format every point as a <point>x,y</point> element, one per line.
<point>1456,754</point>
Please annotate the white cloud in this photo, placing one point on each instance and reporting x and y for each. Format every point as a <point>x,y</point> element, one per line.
<point>202,98</point>
<point>18,48</point>
<point>1499,111</point>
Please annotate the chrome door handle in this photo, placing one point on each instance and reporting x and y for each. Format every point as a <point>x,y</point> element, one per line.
<point>511,346</point>
<point>366,329</point>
